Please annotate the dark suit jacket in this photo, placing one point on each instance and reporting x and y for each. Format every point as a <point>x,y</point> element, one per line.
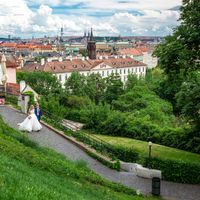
<point>38,114</point>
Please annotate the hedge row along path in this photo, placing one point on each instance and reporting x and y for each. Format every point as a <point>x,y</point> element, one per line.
<point>50,139</point>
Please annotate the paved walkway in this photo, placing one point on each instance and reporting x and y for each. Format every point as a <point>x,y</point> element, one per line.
<point>48,138</point>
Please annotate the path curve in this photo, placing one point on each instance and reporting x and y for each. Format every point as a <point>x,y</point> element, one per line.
<point>48,138</point>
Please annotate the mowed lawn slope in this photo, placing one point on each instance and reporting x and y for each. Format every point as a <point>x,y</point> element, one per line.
<point>28,171</point>
<point>157,150</point>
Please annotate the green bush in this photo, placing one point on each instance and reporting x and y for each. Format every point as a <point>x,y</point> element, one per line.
<point>177,171</point>
<point>115,124</point>
<point>94,115</point>
<point>51,107</point>
<point>31,98</point>
<point>11,99</point>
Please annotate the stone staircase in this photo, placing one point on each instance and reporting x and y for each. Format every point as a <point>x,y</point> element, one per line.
<point>74,126</point>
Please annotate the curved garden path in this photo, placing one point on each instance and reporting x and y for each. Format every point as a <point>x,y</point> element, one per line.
<point>48,138</point>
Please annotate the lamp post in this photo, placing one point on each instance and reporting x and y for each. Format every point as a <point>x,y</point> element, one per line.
<point>149,163</point>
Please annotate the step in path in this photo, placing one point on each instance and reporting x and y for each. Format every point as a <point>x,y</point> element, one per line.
<point>48,138</point>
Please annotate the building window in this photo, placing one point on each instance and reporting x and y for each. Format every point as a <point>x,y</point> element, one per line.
<point>120,71</point>
<point>132,70</point>
<point>128,71</point>
<point>102,73</point>
<point>60,78</point>
<point>107,73</point>
<point>66,77</point>
<point>124,71</point>
<point>136,69</point>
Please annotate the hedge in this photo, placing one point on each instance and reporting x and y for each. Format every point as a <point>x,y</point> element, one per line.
<point>177,171</point>
<point>172,170</point>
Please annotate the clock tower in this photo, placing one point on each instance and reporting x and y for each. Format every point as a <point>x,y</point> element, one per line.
<point>91,46</point>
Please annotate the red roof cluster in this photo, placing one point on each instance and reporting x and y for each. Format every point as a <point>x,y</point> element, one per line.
<point>28,46</point>
<point>11,61</point>
<point>138,51</point>
<point>82,65</point>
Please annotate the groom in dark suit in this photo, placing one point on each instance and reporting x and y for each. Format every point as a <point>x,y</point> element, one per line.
<point>38,112</point>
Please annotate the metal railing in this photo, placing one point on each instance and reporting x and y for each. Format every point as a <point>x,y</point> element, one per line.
<point>114,152</point>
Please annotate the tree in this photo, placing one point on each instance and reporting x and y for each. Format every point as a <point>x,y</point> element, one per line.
<point>43,83</point>
<point>179,54</point>
<point>95,87</point>
<point>75,84</point>
<point>188,98</point>
<point>114,88</point>
<point>132,81</point>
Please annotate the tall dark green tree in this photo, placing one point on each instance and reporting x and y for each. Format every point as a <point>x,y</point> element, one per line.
<point>75,84</point>
<point>95,87</point>
<point>179,55</point>
<point>43,83</point>
<point>114,88</point>
<point>188,98</point>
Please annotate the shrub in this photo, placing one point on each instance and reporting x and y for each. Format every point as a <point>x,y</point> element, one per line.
<point>52,108</point>
<point>31,98</point>
<point>94,115</point>
<point>12,99</point>
<point>115,124</point>
<point>177,171</point>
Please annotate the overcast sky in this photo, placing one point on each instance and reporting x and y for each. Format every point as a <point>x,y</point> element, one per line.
<point>27,18</point>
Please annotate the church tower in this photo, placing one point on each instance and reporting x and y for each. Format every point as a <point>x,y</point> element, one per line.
<point>91,47</point>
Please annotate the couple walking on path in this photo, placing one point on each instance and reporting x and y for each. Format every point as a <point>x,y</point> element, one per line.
<point>32,122</point>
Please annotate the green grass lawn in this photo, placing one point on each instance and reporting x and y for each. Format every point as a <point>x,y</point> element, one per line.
<point>157,150</point>
<point>28,171</point>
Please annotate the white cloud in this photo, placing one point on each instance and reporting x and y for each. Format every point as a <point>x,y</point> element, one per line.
<point>17,18</point>
<point>152,22</point>
<point>113,4</point>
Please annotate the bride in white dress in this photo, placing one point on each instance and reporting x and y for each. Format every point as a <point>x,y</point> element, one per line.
<point>31,123</point>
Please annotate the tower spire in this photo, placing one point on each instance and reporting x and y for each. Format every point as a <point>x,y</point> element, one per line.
<point>91,35</point>
<point>91,46</point>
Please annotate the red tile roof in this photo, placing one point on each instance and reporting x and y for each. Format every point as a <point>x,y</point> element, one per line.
<point>30,46</point>
<point>81,65</point>
<point>11,61</point>
<point>132,51</point>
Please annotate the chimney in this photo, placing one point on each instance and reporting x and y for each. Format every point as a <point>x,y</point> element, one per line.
<point>21,61</point>
<point>60,59</point>
<point>124,56</point>
<point>87,58</point>
<point>100,57</point>
<point>42,61</point>
<point>49,60</point>
<point>83,58</point>
<point>116,57</point>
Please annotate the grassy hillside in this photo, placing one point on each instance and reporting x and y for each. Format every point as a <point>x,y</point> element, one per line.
<point>30,172</point>
<point>158,151</point>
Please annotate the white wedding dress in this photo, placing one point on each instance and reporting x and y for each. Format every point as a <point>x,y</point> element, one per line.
<point>31,123</point>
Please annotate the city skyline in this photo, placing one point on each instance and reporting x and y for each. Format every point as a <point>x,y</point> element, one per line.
<point>27,18</point>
